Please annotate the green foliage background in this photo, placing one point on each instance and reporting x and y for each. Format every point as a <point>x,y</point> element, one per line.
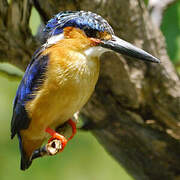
<point>171,30</point>
<point>83,158</point>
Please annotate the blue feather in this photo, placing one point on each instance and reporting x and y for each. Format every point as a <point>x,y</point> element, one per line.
<point>79,19</point>
<point>31,82</point>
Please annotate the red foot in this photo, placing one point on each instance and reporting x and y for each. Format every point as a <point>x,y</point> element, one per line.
<point>73,126</point>
<point>56,135</point>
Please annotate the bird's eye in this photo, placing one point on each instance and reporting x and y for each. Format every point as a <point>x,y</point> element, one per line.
<point>91,33</point>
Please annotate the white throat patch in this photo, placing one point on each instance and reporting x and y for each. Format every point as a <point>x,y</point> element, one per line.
<point>54,39</point>
<point>95,51</point>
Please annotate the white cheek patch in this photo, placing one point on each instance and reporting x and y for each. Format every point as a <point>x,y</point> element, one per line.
<point>95,51</point>
<point>54,39</point>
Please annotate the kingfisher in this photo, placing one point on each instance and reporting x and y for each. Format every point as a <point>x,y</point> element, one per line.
<point>62,76</point>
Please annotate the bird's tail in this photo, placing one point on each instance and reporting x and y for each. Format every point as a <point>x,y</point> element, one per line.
<point>25,163</point>
<point>25,160</point>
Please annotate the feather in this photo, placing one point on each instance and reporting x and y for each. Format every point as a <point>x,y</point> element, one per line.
<point>31,82</point>
<point>78,19</point>
<point>25,162</point>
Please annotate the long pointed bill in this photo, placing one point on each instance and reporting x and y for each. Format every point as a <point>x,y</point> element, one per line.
<point>118,45</point>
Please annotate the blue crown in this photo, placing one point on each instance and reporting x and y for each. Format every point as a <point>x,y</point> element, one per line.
<point>79,19</point>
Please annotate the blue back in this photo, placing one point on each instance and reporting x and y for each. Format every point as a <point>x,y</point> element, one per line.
<point>30,84</point>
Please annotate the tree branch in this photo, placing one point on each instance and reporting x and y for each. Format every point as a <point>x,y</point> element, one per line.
<point>129,95</point>
<point>157,9</point>
<point>50,149</point>
<point>17,42</point>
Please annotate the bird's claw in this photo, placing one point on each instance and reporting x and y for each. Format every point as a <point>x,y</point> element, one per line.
<point>73,126</point>
<point>56,136</point>
<point>57,142</point>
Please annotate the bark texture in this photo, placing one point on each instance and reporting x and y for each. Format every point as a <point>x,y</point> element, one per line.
<point>135,110</point>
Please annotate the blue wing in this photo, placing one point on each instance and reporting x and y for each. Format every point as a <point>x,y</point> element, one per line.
<point>32,80</point>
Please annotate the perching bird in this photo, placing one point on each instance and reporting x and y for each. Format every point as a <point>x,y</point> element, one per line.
<point>62,76</point>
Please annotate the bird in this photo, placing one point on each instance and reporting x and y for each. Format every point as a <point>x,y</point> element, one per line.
<point>61,77</point>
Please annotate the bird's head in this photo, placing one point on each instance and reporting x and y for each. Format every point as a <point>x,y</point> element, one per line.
<point>96,35</point>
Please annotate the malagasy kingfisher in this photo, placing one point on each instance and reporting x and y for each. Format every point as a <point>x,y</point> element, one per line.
<point>62,76</point>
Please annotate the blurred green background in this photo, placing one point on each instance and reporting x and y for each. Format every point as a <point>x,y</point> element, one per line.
<point>83,158</point>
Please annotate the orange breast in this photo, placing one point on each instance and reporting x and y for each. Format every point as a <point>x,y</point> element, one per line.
<point>71,79</point>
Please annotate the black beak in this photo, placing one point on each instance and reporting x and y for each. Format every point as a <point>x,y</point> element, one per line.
<point>120,46</point>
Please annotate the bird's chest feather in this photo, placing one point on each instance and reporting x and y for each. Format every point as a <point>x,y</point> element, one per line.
<point>70,82</point>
